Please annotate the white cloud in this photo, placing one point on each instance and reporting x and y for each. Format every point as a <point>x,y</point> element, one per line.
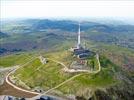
<point>67,9</point>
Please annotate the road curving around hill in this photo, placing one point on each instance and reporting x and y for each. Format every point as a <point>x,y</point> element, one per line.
<point>13,85</point>
<point>66,69</point>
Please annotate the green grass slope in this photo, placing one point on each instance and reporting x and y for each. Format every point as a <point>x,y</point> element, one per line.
<point>15,59</point>
<point>51,74</point>
<point>47,76</point>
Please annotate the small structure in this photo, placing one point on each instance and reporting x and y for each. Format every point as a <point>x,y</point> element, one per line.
<point>83,53</point>
<point>38,89</point>
<point>43,60</point>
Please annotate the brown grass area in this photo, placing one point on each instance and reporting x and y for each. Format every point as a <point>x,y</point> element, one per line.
<point>6,89</point>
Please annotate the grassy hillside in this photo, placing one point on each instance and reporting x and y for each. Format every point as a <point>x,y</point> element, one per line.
<point>31,74</point>
<point>16,59</point>
<point>47,34</point>
<point>84,84</point>
<point>30,38</point>
<point>53,75</point>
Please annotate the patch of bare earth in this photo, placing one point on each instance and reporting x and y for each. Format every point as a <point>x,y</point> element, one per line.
<point>6,89</point>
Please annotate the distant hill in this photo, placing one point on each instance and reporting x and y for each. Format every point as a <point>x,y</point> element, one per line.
<point>3,35</point>
<point>32,25</point>
<point>27,38</point>
<point>46,33</point>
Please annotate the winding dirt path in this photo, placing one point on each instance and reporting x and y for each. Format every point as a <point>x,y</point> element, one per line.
<point>7,80</point>
<point>39,94</point>
<point>65,67</point>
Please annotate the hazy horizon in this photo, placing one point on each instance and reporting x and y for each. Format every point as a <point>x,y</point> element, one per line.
<point>67,9</point>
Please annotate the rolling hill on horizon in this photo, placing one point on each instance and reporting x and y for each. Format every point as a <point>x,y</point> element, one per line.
<point>33,31</point>
<point>24,39</point>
